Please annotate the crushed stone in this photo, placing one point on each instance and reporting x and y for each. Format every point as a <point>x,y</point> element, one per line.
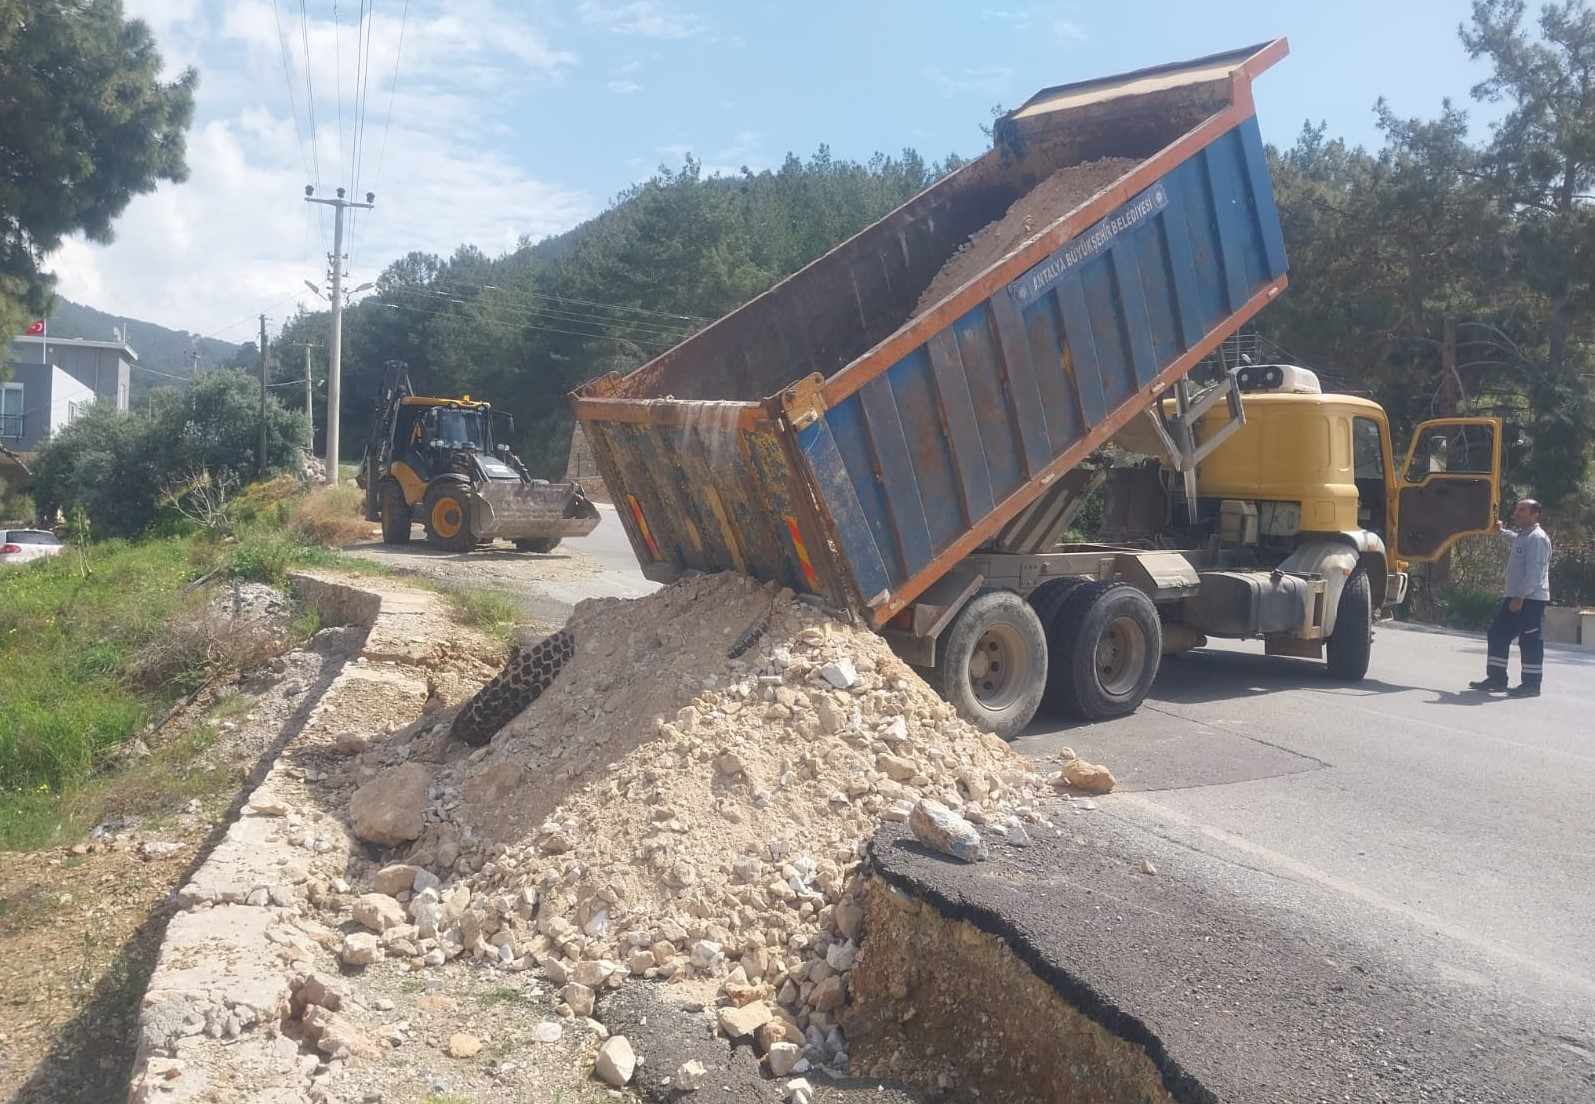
<point>666,812</point>
<point>1033,212</point>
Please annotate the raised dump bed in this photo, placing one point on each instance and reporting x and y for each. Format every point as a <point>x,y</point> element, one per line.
<point>848,440</point>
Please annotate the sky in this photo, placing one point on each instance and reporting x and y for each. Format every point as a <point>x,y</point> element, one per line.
<point>487,120</point>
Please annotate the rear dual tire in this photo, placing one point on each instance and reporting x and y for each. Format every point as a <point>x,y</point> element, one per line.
<point>992,665</point>
<point>1106,640</point>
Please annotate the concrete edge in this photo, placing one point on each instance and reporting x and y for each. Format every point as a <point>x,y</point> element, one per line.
<point>225,961</point>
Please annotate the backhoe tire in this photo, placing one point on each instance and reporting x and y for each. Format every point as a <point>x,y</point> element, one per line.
<point>446,513</point>
<point>992,663</point>
<point>537,544</point>
<point>395,515</point>
<point>1351,644</point>
<point>1107,640</point>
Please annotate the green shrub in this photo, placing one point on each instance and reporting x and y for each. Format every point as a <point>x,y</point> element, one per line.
<point>116,465</point>
<point>1468,608</point>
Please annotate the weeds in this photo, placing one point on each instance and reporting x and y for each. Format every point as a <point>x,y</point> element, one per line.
<point>198,643</point>
<point>332,516</point>
<point>504,994</point>
<point>495,612</point>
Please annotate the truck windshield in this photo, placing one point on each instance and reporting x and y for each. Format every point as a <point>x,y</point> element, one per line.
<point>461,429</point>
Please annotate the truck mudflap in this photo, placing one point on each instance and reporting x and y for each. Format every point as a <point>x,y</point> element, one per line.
<point>516,510</point>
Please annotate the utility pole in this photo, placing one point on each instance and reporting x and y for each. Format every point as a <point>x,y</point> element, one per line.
<point>261,456</point>
<point>310,411</point>
<point>335,360</point>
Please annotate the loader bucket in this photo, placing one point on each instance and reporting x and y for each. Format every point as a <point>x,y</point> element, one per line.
<point>536,510</point>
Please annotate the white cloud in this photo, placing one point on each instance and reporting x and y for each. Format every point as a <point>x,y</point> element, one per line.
<point>624,87</point>
<point>1018,18</point>
<point>1068,30</point>
<point>988,80</point>
<point>645,18</point>
<point>237,237</point>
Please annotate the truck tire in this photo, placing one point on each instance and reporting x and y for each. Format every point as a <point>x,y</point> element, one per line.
<point>537,544</point>
<point>993,663</point>
<point>395,515</point>
<point>1106,641</point>
<point>447,517</point>
<point>1351,644</point>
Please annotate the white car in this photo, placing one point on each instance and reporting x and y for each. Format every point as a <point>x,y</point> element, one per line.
<point>20,546</point>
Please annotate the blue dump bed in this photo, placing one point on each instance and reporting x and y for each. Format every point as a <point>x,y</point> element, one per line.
<point>826,436</point>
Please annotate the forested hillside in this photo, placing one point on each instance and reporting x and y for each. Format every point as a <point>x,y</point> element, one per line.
<point>159,349</point>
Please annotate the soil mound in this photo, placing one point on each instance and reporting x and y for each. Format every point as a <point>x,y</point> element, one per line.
<point>1044,204</point>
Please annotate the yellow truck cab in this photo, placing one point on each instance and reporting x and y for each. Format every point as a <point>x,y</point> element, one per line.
<point>1306,467</point>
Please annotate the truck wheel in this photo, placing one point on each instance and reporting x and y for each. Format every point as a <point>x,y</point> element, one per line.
<point>395,515</point>
<point>993,663</point>
<point>1106,643</point>
<point>1351,644</point>
<point>537,544</point>
<point>447,518</point>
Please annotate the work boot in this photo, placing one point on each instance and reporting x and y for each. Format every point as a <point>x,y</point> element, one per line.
<point>1524,690</point>
<point>1487,684</point>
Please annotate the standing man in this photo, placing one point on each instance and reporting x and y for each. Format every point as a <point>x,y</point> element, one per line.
<point>1528,592</point>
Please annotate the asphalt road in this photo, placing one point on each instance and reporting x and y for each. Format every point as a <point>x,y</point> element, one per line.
<point>599,565</point>
<point>1438,828</point>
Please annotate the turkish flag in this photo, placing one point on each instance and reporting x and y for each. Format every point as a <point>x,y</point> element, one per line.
<point>36,329</point>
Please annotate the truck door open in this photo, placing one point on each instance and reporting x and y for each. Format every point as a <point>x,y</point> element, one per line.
<point>1450,486</point>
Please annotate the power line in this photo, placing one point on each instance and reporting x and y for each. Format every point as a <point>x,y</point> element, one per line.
<point>676,332</point>
<point>361,109</point>
<point>287,77</point>
<point>310,90</point>
<point>515,327</point>
<point>337,53</point>
<point>393,87</point>
<point>583,302</point>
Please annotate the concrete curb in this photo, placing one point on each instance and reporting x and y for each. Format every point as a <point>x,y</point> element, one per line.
<point>211,1017</point>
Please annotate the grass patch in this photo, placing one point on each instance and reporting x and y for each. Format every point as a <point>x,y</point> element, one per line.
<point>155,787</point>
<point>504,994</point>
<point>67,638</point>
<point>231,705</point>
<point>495,612</point>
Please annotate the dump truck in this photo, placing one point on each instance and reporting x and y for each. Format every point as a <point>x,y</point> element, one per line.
<point>435,460</point>
<point>914,466</point>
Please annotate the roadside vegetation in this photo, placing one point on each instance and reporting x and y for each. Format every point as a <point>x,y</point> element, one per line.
<point>99,642</point>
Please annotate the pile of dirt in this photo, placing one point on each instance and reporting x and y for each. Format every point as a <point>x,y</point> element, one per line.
<point>664,810</point>
<point>1033,212</point>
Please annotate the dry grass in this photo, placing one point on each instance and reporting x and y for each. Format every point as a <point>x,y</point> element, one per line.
<point>331,516</point>
<point>197,643</point>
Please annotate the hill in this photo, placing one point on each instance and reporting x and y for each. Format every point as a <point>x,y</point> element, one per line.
<point>160,350</point>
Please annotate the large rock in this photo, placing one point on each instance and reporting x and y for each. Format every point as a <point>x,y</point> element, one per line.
<point>740,1022</point>
<point>941,829</point>
<point>360,949</point>
<point>782,1057</point>
<point>388,810</point>
<point>395,878</point>
<point>334,1033</point>
<point>378,911</point>
<point>616,1062</point>
<point>689,1077</point>
<point>1089,777</point>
